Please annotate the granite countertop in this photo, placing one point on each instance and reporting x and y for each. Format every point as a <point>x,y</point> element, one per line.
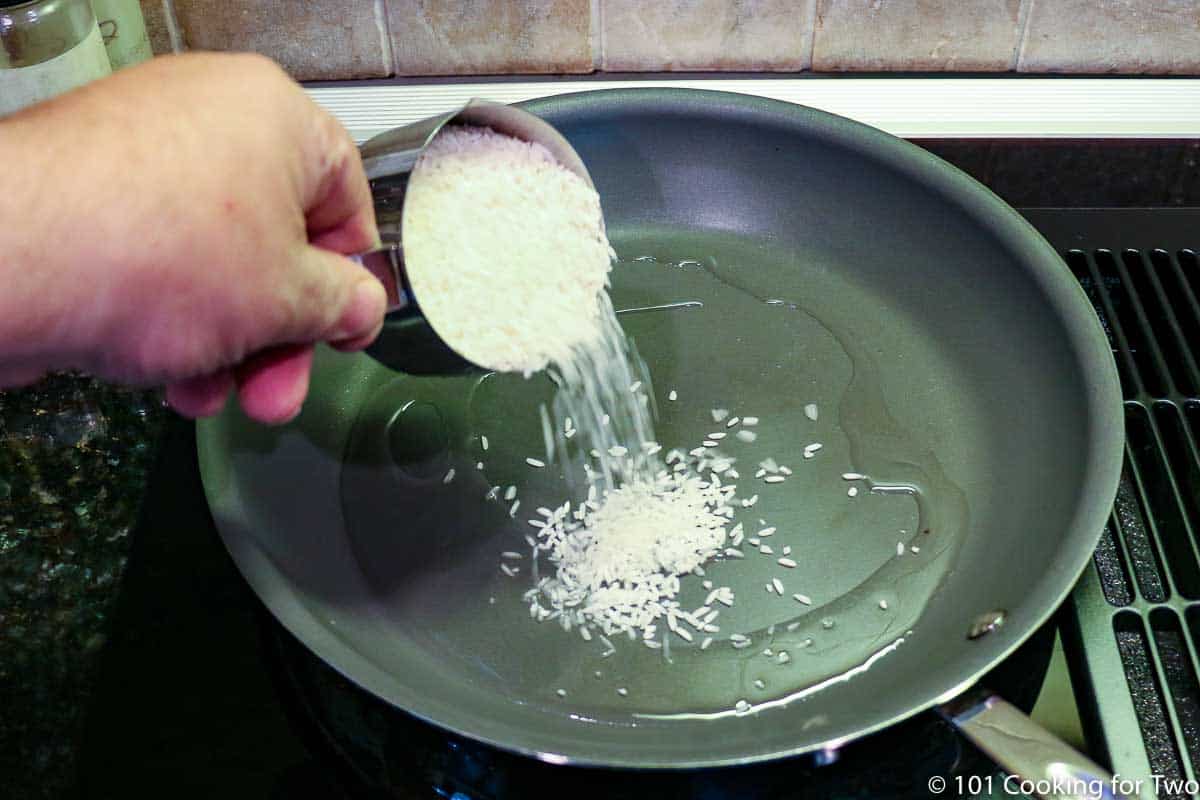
<point>74,457</point>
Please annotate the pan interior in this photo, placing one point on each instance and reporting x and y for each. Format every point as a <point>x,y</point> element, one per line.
<point>719,321</point>
<point>816,263</point>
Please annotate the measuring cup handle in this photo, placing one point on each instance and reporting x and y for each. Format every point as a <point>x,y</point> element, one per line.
<point>386,265</point>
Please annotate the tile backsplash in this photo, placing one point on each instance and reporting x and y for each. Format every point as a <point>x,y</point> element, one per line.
<point>343,39</point>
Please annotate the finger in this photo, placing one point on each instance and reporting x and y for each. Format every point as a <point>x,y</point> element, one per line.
<point>272,384</point>
<point>202,396</point>
<point>357,343</point>
<point>336,300</point>
<point>340,214</point>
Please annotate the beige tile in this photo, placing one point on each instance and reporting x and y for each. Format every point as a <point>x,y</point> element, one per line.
<point>312,39</point>
<point>156,26</point>
<point>1133,36</point>
<point>474,37</point>
<point>916,35</point>
<point>766,35</point>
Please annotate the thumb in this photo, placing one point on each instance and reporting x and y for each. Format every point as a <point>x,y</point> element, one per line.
<point>340,302</point>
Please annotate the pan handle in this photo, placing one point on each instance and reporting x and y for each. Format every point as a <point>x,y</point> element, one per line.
<point>1052,768</point>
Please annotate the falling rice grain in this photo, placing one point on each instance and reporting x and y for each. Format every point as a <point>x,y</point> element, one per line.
<point>449,475</point>
<point>778,584</point>
<point>535,462</point>
<point>774,479</point>
<point>802,599</point>
<point>811,411</point>
<point>747,436</point>
<point>787,562</point>
<point>673,395</point>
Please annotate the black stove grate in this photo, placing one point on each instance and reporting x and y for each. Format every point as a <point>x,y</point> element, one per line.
<point>1137,620</point>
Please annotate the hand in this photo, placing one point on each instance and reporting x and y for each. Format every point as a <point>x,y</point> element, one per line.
<point>180,224</point>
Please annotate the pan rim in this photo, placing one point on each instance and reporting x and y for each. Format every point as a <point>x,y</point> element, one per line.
<point>1086,338</point>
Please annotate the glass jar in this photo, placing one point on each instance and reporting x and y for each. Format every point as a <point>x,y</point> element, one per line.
<point>47,47</point>
<point>124,30</point>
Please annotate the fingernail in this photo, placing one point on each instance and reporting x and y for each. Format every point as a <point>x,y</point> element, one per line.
<point>363,313</point>
<point>290,415</point>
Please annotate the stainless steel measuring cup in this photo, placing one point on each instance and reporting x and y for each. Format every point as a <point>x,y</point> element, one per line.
<point>408,342</point>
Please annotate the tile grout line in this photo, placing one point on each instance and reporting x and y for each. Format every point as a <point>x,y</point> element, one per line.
<point>809,43</point>
<point>1023,15</point>
<point>596,9</point>
<point>385,35</point>
<point>171,20</point>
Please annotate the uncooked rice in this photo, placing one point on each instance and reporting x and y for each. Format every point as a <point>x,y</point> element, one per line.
<point>494,225</point>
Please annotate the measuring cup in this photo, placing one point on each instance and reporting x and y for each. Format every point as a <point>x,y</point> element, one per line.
<point>408,342</point>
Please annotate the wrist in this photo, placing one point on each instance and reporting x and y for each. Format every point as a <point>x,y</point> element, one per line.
<point>43,291</point>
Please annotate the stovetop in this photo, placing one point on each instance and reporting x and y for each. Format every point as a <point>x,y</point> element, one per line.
<point>1135,616</point>
<point>202,694</point>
